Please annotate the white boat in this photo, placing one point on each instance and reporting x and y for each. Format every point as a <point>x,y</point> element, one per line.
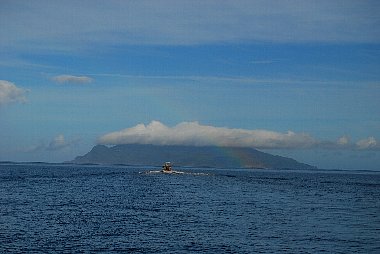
<point>167,167</point>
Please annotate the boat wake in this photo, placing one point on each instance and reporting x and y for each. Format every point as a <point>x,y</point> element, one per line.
<point>172,172</point>
<point>167,169</point>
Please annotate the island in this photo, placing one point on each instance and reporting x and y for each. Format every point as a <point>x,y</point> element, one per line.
<point>187,156</point>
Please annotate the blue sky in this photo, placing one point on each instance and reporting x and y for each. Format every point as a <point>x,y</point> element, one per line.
<point>295,78</point>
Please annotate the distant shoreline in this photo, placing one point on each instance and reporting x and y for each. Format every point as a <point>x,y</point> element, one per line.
<point>187,167</point>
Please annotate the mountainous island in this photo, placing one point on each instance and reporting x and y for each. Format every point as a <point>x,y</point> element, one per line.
<point>188,156</point>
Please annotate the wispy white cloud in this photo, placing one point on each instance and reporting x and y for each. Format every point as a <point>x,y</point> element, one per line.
<point>367,143</point>
<point>343,141</point>
<point>171,22</point>
<point>10,93</point>
<point>56,144</point>
<point>262,62</point>
<point>21,63</point>
<point>72,79</point>
<point>243,80</point>
<point>195,134</point>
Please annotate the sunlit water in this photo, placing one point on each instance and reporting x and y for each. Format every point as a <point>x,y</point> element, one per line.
<point>87,209</point>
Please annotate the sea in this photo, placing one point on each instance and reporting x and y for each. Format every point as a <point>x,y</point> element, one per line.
<point>53,208</point>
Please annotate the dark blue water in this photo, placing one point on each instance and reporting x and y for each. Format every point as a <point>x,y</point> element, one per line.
<point>77,209</point>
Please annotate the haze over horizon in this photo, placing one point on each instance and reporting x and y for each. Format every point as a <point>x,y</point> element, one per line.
<point>294,78</point>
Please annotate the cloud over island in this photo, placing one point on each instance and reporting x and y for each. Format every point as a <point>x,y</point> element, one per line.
<point>195,134</point>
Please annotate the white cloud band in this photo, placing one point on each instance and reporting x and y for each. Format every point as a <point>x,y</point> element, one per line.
<point>195,134</point>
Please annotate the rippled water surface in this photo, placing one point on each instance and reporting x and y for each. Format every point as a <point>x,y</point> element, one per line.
<point>86,209</point>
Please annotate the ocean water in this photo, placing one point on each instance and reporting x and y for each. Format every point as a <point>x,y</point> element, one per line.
<point>96,209</point>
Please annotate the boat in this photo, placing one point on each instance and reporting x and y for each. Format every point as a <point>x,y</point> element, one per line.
<point>167,167</point>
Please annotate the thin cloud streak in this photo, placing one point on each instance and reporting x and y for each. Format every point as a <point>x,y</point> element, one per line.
<point>72,79</point>
<point>170,22</point>
<point>242,79</point>
<point>195,134</point>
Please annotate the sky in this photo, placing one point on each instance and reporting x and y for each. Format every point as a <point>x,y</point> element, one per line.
<point>293,78</point>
